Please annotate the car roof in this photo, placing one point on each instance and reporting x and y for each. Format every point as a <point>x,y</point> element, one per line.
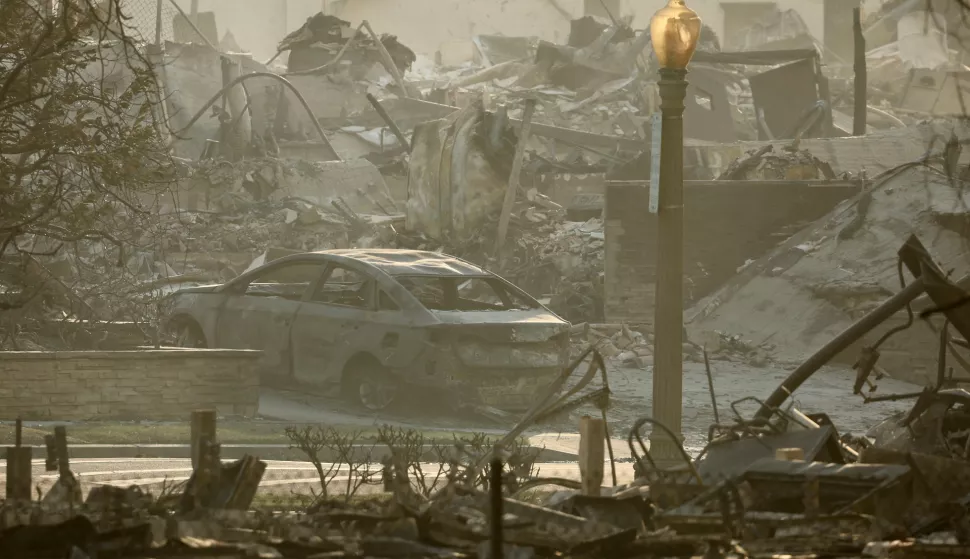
<point>399,262</point>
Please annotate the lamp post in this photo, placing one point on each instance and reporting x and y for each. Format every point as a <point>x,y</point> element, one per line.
<point>674,31</point>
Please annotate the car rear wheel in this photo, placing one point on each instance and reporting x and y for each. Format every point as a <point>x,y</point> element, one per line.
<point>189,335</point>
<point>373,387</point>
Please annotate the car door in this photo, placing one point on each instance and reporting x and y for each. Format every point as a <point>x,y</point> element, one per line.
<point>332,324</point>
<point>259,310</point>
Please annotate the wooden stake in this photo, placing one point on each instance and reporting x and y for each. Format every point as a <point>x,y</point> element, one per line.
<point>19,472</point>
<point>525,131</point>
<point>60,445</point>
<point>203,425</point>
<point>592,437</point>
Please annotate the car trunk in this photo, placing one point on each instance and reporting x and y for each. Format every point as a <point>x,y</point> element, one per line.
<point>501,358</point>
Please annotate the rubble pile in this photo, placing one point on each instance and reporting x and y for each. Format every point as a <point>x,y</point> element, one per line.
<point>257,204</point>
<point>787,164</point>
<point>840,267</point>
<point>557,261</point>
<point>316,45</point>
<point>618,343</point>
<point>778,482</point>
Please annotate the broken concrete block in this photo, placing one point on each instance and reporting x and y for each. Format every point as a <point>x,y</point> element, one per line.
<point>626,356</point>
<point>608,350</point>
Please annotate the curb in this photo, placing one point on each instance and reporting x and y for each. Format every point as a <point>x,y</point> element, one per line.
<point>236,451</point>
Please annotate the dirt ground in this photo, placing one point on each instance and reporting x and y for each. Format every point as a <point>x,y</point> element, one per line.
<point>829,391</point>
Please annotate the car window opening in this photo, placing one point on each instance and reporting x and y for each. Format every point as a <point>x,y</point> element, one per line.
<point>289,281</point>
<point>465,294</point>
<point>386,303</point>
<point>344,287</point>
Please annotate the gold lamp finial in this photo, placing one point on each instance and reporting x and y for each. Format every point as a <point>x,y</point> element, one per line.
<point>674,31</point>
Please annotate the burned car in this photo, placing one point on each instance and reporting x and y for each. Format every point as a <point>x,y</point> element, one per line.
<point>375,323</point>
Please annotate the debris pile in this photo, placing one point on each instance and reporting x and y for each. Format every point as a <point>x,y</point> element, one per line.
<point>778,481</point>
<point>618,343</point>
<point>767,164</point>
<point>325,41</point>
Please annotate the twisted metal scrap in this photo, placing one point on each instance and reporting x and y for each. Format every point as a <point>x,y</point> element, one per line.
<point>637,457</point>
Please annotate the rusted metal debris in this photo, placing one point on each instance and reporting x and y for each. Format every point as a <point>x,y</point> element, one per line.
<point>779,482</point>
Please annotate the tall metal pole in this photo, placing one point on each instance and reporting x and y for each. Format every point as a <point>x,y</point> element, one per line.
<point>859,115</point>
<point>286,19</point>
<point>668,365</point>
<point>158,22</point>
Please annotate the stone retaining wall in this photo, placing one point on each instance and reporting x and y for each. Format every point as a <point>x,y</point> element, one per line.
<point>162,384</point>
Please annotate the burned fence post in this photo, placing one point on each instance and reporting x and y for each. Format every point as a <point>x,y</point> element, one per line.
<point>496,514</point>
<point>203,424</point>
<point>66,489</point>
<point>19,468</point>
<point>592,435</point>
<point>861,78</point>
<point>206,463</point>
<point>524,132</point>
<point>60,445</point>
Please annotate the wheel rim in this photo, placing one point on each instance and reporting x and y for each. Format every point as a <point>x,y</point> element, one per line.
<point>183,336</point>
<point>375,393</point>
<point>186,338</point>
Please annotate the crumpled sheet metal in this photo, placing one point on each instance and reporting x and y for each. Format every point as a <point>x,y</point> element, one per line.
<point>452,186</point>
<point>397,262</point>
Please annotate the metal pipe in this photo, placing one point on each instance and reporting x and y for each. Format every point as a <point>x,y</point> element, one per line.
<point>390,122</point>
<point>270,75</point>
<point>158,22</point>
<point>710,387</point>
<point>887,115</point>
<point>839,344</point>
<point>386,59</point>
<point>860,114</point>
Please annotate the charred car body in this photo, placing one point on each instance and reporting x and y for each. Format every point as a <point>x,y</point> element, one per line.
<point>372,322</point>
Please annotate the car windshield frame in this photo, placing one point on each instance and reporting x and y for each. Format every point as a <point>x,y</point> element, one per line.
<point>449,298</point>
